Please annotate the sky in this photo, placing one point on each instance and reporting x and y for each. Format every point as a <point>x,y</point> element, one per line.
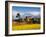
<point>25,11</point>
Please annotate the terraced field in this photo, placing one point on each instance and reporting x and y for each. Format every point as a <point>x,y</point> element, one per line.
<point>16,26</point>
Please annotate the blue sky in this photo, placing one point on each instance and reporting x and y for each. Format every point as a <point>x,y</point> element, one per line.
<point>25,11</point>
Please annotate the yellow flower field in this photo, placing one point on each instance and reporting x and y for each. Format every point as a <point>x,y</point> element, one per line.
<point>25,26</point>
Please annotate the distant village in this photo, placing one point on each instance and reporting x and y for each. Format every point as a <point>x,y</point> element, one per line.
<point>27,19</point>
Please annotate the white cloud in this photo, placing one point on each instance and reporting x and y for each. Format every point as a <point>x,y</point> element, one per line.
<point>22,13</point>
<point>34,13</point>
<point>14,13</point>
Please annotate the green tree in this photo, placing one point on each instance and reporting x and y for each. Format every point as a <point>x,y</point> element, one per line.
<point>26,19</point>
<point>18,15</point>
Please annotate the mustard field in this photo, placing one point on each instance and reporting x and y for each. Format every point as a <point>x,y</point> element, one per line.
<point>25,26</point>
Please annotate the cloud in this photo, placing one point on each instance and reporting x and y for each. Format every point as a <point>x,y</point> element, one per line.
<point>14,13</point>
<point>23,14</point>
<point>34,13</point>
